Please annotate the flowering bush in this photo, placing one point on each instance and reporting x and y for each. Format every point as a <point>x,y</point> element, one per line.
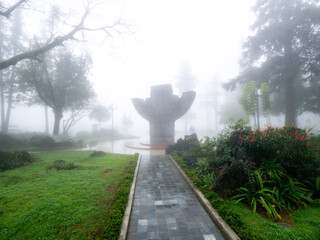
<point>288,146</point>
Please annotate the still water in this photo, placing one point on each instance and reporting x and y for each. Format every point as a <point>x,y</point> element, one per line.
<point>119,146</point>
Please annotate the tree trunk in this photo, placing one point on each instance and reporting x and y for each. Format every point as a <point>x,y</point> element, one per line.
<point>46,119</point>
<point>289,78</point>
<point>290,114</point>
<point>2,101</point>
<point>57,118</point>
<point>9,107</point>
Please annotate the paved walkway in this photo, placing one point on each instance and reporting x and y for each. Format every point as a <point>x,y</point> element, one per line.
<point>164,207</point>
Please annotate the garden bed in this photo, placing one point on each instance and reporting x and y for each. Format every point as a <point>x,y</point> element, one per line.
<point>264,184</point>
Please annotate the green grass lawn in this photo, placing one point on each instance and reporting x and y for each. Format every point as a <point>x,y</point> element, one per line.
<point>37,203</point>
<point>306,223</point>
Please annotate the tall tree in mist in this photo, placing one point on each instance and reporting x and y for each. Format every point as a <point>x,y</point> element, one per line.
<point>266,104</point>
<point>186,81</point>
<point>285,53</point>
<point>211,102</point>
<point>11,43</point>
<point>60,82</point>
<point>3,42</point>
<point>249,101</point>
<point>100,114</point>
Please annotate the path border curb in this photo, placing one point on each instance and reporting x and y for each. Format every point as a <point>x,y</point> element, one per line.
<point>225,229</point>
<point>127,214</point>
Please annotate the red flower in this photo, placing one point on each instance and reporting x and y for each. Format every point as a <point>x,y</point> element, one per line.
<point>296,132</point>
<point>300,138</point>
<point>251,140</point>
<point>240,137</point>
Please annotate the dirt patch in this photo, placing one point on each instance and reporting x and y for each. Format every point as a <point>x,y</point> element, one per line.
<point>62,166</point>
<point>59,161</point>
<point>286,220</point>
<point>97,154</point>
<point>108,171</point>
<point>112,188</point>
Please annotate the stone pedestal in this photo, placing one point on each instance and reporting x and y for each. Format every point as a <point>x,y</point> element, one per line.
<point>162,109</point>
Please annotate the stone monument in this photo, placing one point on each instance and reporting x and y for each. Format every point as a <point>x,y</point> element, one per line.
<point>162,109</point>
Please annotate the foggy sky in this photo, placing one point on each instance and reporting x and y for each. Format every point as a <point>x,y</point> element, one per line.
<point>208,34</point>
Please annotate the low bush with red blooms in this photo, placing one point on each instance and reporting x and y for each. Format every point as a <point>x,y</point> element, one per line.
<point>289,146</point>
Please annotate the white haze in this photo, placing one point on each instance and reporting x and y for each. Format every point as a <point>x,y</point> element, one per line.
<point>209,34</point>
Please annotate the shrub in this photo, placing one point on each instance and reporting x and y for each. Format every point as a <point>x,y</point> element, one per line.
<point>7,141</point>
<point>41,141</point>
<point>292,194</point>
<point>97,154</point>
<point>229,178</point>
<point>259,195</point>
<point>189,142</point>
<point>68,144</point>
<point>188,148</point>
<point>288,146</point>
<point>11,160</point>
<point>226,147</point>
<point>83,134</point>
<point>271,168</point>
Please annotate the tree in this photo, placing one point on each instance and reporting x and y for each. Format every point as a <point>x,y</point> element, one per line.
<point>100,113</point>
<point>60,82</point>
<point>11,43</point>
<point>186,82</point>
<point>231,112</point>
<point>8,10</point>
<point>249,100</point>
<point>73,116</point>
<point>285,53</point>
<point>266,105</point>
<point>211,102</point>
<point>56,40</point>
<point>126,121</point>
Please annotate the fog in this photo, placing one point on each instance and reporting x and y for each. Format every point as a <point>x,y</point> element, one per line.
<point>157,38</point>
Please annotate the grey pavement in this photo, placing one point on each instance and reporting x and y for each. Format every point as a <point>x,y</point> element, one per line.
<point>164,206</point>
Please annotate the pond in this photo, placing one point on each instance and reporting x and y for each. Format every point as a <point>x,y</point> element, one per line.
<point>119,146</point>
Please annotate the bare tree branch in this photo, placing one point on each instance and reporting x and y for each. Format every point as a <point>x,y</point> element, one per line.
<point>75,116</point>
<point>57,41</point>
<point>8,12</point>
<point>32,54</point>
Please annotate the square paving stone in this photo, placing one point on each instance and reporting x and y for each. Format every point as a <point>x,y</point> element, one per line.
<point>163,235</point>
<point>142,235</point>
<point>152,235</point>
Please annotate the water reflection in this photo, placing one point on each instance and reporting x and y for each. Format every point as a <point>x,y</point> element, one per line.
<point>119,146</point>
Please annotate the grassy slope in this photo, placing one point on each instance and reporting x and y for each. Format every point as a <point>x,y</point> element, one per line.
<point>64,204</point>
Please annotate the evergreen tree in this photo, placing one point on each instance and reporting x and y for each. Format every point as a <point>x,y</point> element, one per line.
<point>285,53</point>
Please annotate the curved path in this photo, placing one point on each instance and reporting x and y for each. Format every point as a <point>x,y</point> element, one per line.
<point>164,206</point>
